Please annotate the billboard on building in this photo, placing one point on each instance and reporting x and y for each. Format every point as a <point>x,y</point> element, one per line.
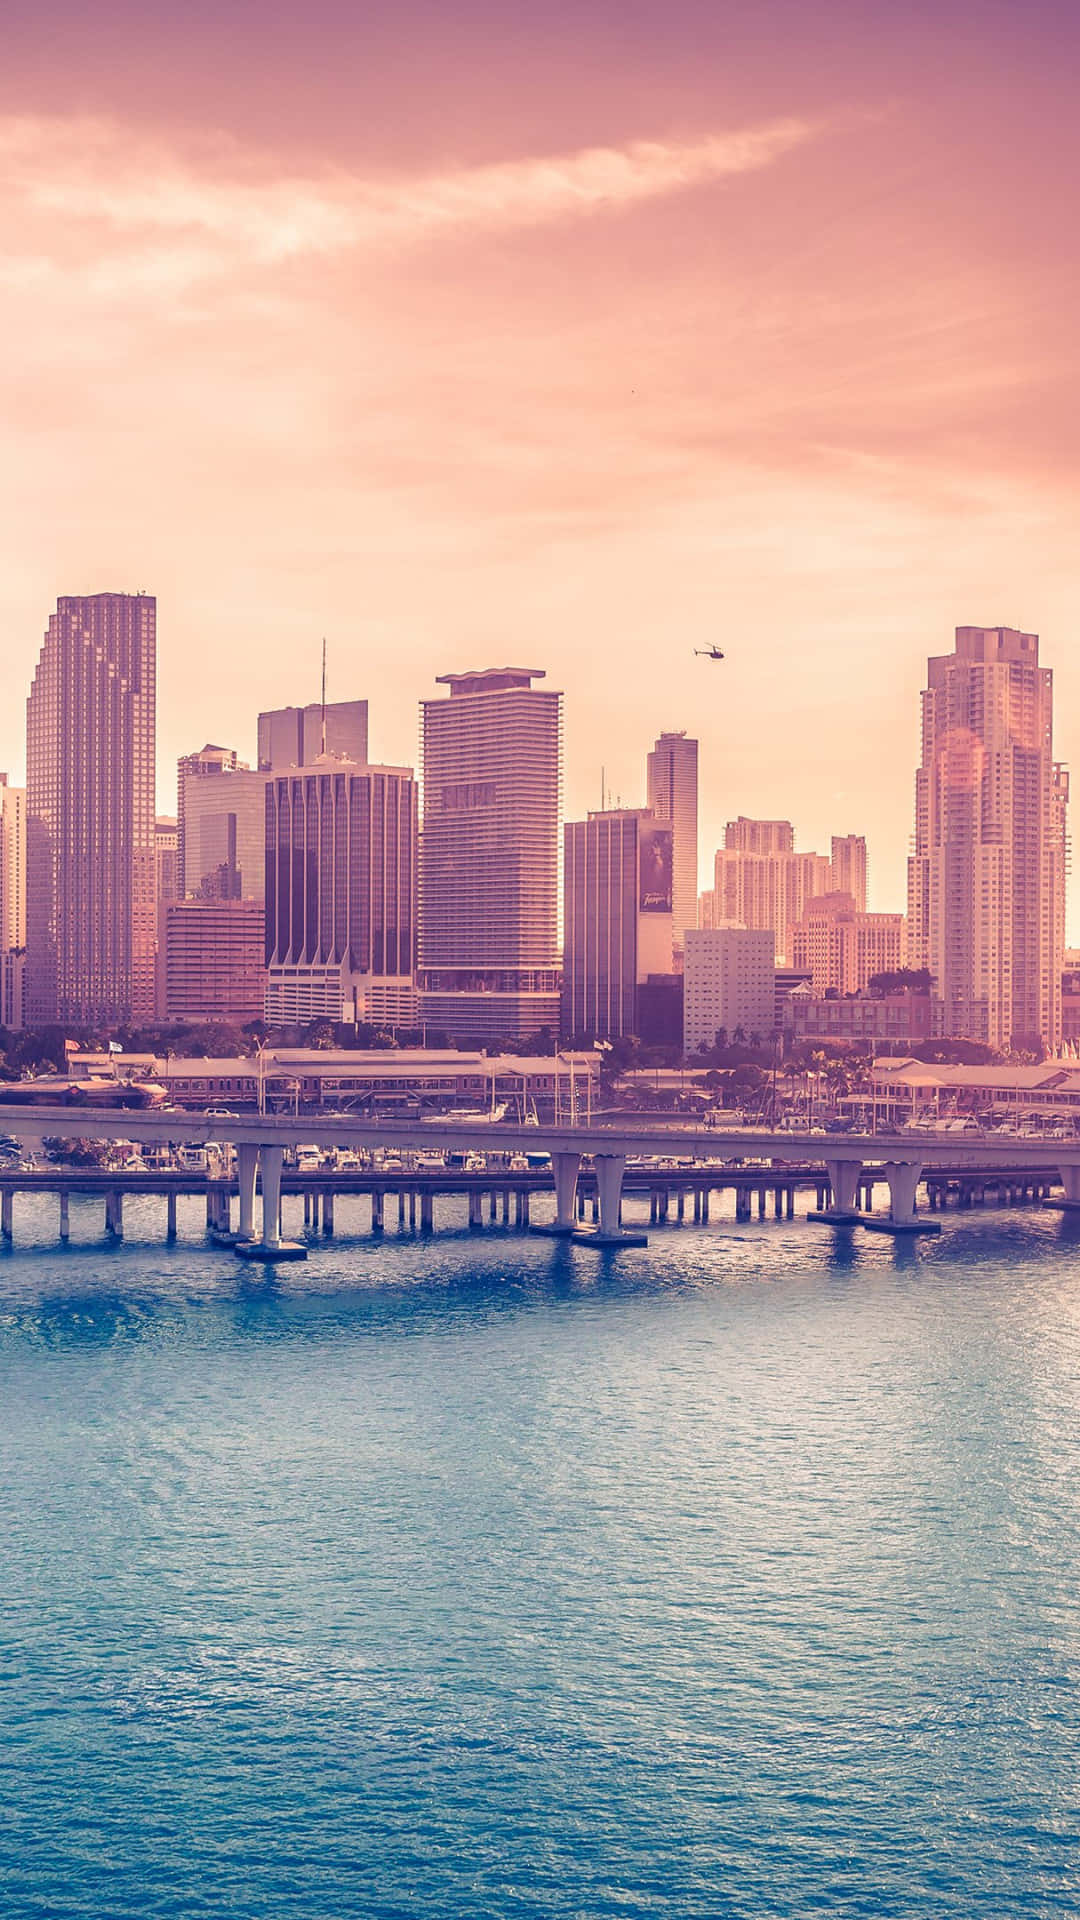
<point>654,867</point>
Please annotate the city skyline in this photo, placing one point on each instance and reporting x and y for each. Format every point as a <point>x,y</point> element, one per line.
<point>750,332</point>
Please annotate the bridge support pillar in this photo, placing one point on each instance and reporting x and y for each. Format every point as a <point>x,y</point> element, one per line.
<point>843,1207</point>
<point>7,1215</point>
<point>65,1214</point>
<point>566,1168</point>
<point>247,1161</point>
<point>377,1212</point>
<point>271,1160</point>
<point>1070,1194</point>
<point>328,1215</point>
<point>476,1211</point>
<point>790,1206</point>
<point>609,1178</point>
<point>903,1177</point>
<point>427,1211</point>
<point>170,1216</point>
<point>114,1214</point>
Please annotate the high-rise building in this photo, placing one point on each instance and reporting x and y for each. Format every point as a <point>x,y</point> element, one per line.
<point>12,865</point>
<point>986,882</point>
<point>222,826</point>
<point>848,864</point>
<point>296,736</point>
<point>167,858</point>
<point>91,878</point>
<point>341,894</point>
<point>761,883</point>
<point>489,859</point>
<point>211,962</point>
<point>12,904</point>
<point>759,836</point>
<point>841,948</point>
<point>617,919</point>
<point>672,793</point>
<point>729,986</point>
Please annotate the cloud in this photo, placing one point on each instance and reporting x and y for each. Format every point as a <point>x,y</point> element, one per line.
<point>79,172</point>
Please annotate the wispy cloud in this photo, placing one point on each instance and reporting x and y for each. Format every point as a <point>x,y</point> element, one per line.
<point>93,172</point>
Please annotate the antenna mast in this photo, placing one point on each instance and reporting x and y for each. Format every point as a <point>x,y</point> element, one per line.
<point>322,745</point>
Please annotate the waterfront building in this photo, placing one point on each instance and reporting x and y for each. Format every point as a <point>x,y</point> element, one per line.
<point>340,895</point>
<point>297,736</point>
<point>489,935</point>
<point>986,881</point>
<point>222,826</point>
<point>843,949</point>
<point>211,963</point>
<point>617,921</point>
<point>729,985</point>
<point>899,1019</point>
<point>167,858</point>
<point>91,863</point>
<point>385,1079</point>
<point>848,867</point>
<point>672,794</point>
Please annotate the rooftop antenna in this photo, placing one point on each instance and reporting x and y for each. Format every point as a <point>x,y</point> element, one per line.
<point>322,741</point>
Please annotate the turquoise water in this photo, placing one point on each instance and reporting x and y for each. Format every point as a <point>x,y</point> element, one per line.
<point>481,1576</point>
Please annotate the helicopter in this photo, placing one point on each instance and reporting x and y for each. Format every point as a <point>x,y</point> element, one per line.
<point>707,653</point>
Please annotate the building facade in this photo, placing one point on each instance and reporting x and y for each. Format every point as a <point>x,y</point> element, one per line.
<point>729,985</point>
<point>848,867</point>
<point>617,921</point>
<point>489,861</point>
<point>986,881</point>
<point>91,862</point>
<point>211,962</point>
<point>222,826</point>
<point>841,948</point>
<point>167,858</point>
<point>296,736</point>
<point>340,895</point>
<point>762,884</point>
<point>672,794</point>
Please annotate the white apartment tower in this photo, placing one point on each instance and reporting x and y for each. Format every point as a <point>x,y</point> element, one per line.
<point>986,880</point>
<point>672,781</point>
<point>489,856</point>
<point>848,863</point>
<point>12,903</point>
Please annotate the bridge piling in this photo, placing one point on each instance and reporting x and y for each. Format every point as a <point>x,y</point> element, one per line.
<point>65,1214</point>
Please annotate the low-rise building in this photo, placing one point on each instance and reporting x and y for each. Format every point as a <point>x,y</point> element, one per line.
<point>729,985</point>
<point>211,961</point>
<point>902,1018</point>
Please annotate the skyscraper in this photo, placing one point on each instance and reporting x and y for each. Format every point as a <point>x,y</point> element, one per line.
<point>672,793</point>
<point>12,903</point>
<point>222,826</point>
<point>489,862</point>
<point>90,813</point>
<point>617,919</point>
<point>761,882</point>
<point>841,948</point>
<point>294,736</point>
<point>341,894</point>
<point>986,882</point>
<point>167,858</point>
<point>848,862</point>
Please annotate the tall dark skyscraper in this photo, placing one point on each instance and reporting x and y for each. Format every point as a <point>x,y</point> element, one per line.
<point>341,894</point>
<point>90,813</point>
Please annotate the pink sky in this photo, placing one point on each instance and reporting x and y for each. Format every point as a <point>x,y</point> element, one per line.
<point>578,339</point>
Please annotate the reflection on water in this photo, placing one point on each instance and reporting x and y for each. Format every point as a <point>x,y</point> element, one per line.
<point>484,1575</point>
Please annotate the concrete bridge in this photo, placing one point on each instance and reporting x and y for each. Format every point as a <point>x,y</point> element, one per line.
<point>845,1165</point>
